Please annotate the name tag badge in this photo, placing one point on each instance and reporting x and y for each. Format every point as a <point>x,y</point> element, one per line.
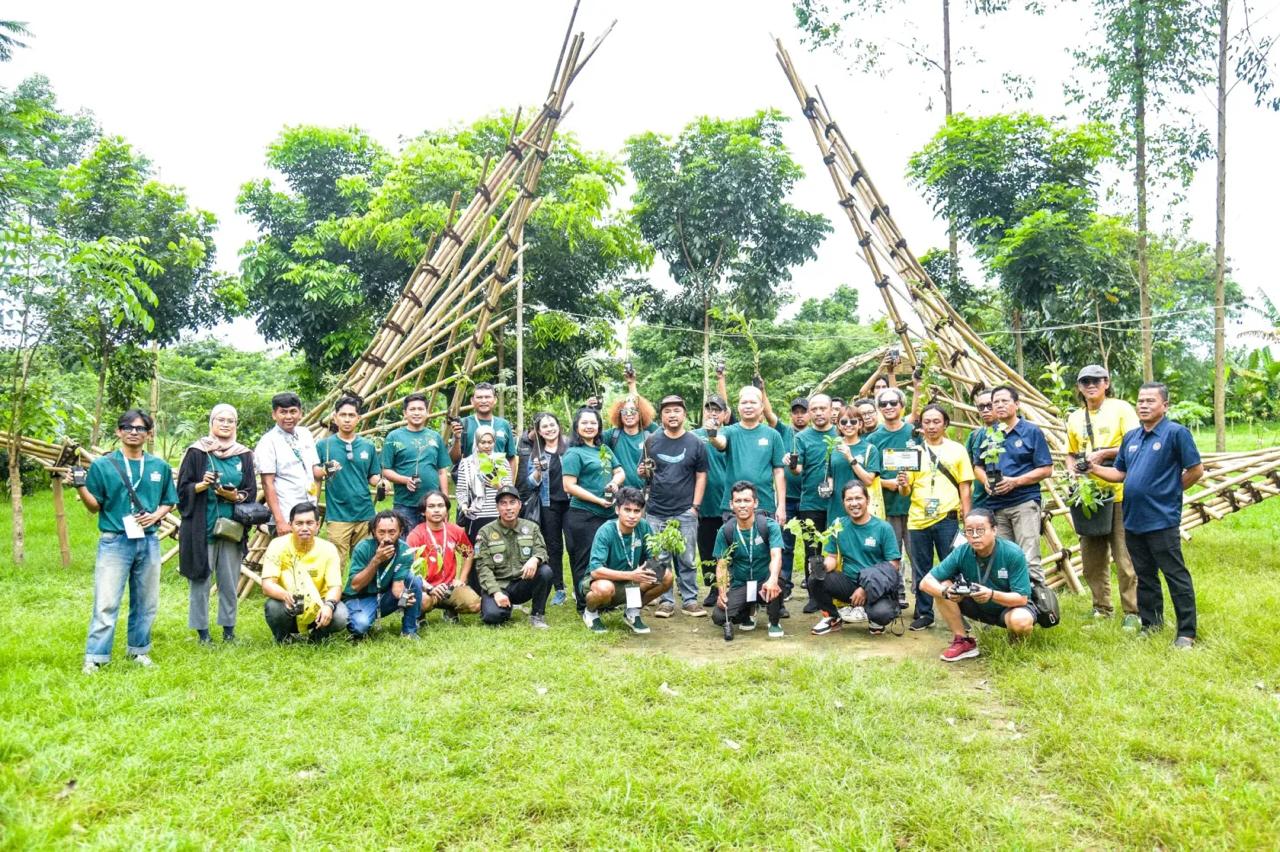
<point>1002,574</point>
<point>634,600</point>
<point>751,590</point>
<point>1133,448</point>
<point>764,442</point>
<point>931,507</point>
<point>133,529</point>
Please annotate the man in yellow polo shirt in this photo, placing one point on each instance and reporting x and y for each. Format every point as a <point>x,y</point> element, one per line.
<point>1097,431</point>
<point>302,580</point>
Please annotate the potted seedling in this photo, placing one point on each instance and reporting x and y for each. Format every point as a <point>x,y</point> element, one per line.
<point>991,450</point>
<point>492,468</point>
<point>1092,506</point>
<point>808,533</point>
<point>722,583</point>
<point>827,487</point>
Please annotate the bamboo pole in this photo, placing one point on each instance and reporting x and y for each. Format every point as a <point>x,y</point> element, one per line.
<point>60,519</point>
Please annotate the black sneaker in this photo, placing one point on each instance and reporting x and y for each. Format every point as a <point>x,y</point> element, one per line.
<point>922,622</point>
<point>783,613</point>
<point>811,607</point>
<point>450,615</point>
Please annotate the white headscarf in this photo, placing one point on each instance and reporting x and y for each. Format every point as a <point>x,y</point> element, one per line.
<point>214,445</point>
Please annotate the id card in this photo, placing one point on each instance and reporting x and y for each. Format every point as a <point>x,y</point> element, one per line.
<point>931,507</point>
<point>752,587</point>
<point>133,529</point>
<point>633,597</point>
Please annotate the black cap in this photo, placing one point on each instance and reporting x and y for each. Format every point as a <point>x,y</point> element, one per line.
<point>800,402</point>
<point>507,491</point>
<point>718,401</point>
<point>671,399</point>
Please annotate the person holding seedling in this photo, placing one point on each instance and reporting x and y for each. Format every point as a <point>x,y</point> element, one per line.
<point>861,565</point>
<point>625,570</point>
<point>480,475</point>
<point>748,553</point>
<point>415,460</point>
<point>591,477</point>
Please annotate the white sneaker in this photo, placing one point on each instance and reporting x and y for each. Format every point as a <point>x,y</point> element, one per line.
<point>144,661</point>
<point>853,614</point>
<point>90,667</point>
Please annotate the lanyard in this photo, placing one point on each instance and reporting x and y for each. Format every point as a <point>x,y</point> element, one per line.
<point>438,548</point>
<point>750,546</point>
<point>291,441</point>
<point>631,548</point>
<point>142,463</point>
<point>382,576</point>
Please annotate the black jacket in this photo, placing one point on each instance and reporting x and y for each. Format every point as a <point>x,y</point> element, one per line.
<point>193,535</point>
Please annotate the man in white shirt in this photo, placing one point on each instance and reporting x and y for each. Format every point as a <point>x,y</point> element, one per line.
<point>287,460</point>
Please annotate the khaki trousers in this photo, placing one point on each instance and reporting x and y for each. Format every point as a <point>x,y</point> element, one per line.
<point>1096,553</point>
<point>462,599</point>
<point>345,535</point>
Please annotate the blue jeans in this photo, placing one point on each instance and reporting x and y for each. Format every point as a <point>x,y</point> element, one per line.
<point>362,612</point>
<point>122,560</point>
<point>922,544</point>
<point>410,517</point>
<point>682,565</point>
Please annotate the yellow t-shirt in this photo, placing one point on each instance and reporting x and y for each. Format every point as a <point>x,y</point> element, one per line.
<point>1110,423</point>
<point>929,484</point>
<point>321,562</point>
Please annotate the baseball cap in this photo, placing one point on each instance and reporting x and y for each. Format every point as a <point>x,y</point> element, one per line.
<point>1092,371</point>
<point>800,402</point>
<point>671,399</point>
<point>718,401</point>
<point>507,491</point>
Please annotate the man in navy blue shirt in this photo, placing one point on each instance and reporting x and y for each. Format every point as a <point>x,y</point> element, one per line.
<point>1157,463</point>
<point>1013,483</point>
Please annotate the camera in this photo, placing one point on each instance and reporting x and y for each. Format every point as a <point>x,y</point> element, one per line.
<point>79,476</point>
<point>1081,462</point>
<point>629,370</point>
<point>296,606</point>
<point>331,467</point>
<point>380,493</point>
<point>961,589</point>
<point>793,460</point>
<point>217,476</point>
<point>406,597</point>
<point>895,355</point>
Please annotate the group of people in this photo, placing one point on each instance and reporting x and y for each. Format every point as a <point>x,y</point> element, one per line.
<point>639,504</point>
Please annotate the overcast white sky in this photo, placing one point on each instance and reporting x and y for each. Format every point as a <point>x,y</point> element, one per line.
<point>201,89</point>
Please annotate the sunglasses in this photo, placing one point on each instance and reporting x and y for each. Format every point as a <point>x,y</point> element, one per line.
<point>142,429</point>
<point>984,406</point>
<point>626,412</point>
<point>1089,382</point>
<point>890,403</point>
<point>850,422</point>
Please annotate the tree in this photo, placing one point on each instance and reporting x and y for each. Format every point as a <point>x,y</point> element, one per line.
<point>988,174</point>
<point>1150,55</point>
<point>713,203</point>
<point>1250,57</point>
<point>840,306</point>
<point>10,38</point>
<point>334,252</point>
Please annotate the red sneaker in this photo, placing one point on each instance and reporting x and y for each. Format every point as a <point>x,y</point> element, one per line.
<point>961,648</point>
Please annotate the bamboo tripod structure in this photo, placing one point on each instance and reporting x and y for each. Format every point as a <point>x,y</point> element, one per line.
<point>953,353</point>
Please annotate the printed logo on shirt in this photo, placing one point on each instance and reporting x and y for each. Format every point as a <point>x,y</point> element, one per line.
<point>364,455</point>
<point>155,476</point>
<point>870,542</point>
<point>497,558</point>
<point>1018,443</point>
<point>672,459</point>
<point>1155,446</point>
<point>1133,448</point>
<point>764,442</point>
<point>1002,574</point>
<point>526,550</point>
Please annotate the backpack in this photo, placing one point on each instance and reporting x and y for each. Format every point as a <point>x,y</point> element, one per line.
<point>731,526</point>
<point>1045,599</point>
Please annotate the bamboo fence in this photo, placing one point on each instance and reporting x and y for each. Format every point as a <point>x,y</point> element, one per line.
<point>936,337</point>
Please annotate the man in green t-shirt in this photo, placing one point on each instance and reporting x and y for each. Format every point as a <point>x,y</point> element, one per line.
<point>620,572</point>
<point>974,443</point>
<point>861,566</point>
<point>985,579</point>
<point>415,459</point>
<point>350,466</point>
<point>130,491</point>
<point>380,580</point>
<point>461,433</point>
<point>753,453</point>
<point>748,554</point>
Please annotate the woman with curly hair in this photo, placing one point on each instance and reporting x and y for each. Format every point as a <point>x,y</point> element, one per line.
<point>632,418</point>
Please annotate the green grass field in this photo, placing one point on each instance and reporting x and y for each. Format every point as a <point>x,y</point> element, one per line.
<point>1080,737</point>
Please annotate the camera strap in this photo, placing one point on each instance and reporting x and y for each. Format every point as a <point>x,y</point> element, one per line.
<point>1088,428</point>
<point>124,476</point>
<point>939,467</point>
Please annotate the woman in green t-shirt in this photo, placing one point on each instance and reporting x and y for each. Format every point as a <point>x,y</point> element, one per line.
<point>853,458</point>
<point>591,474</point>
<point>216,473</point>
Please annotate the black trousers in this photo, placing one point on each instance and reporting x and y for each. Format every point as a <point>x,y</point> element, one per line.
<point>811,549</point>
<point>825,587</point>
<point>551,522</point>
<point>708,528</point>
<point>535,589</point>
<point>740,610</point>
<point>579,532</point>
<point>1153,553</point>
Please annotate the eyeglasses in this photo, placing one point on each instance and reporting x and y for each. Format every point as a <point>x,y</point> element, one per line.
<point>890,403</point>
<point>972,533</point>
<point>225,421</point>
<point>1088,382</point>
<point>984,406</point>
<point>142,429</point>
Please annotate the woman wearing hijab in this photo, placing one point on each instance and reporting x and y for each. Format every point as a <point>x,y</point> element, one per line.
<point>216,473</point>
<point>477,491</point>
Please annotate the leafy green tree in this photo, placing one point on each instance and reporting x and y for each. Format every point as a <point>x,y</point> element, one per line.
<point>1150,54</point>
<point>335,249</point>
<point>840,306</point>
<point>11,34</point>
<point>712,202</point>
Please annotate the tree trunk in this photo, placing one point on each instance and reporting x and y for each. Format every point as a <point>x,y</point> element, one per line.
<point>953,244</point>
<point>97,405</point>
<point>1018,356</point>
<point>1140,186</point>
<point>1220,247</point>
<point>706,346</point>
<point>15,497</point>
<point>155,393</point>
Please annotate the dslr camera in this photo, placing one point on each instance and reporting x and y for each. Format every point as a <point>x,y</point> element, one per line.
<point>79,476</point>
<point>961,589</point>
<point>1080,462</point>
